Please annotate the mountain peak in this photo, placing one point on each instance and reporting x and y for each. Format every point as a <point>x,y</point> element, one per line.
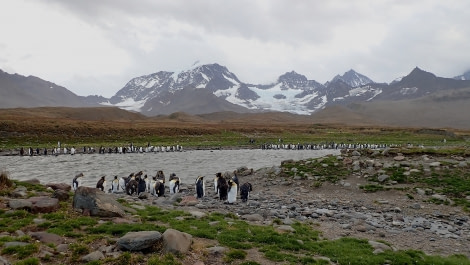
<point>292,75</point>
<point>352,78</point>
<point>418,73</point>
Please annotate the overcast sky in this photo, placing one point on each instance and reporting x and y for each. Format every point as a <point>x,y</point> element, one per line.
<point>96,47</point>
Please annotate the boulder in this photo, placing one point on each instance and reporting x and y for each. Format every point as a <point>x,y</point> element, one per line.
<point>136,241</point>
<point>93,256</point>
<point>45,237</point>
<point>59,186</point>
<point>61,195</point>
<point>96,203</point>
<point>39,204</point>
<point>44,204</point>
<point>20,204</point>
<point>176,242</point>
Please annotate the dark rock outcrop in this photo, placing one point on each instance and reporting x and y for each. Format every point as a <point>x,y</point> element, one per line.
<point>96,203</point>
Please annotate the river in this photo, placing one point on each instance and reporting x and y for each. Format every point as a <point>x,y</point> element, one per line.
<point>187,164</point>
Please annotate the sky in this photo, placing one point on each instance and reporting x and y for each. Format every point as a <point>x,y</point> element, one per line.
<point>94,47</point>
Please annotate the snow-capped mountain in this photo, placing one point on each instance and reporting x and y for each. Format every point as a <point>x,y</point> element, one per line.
<point>212,87</point>
<point>292,92</point>
<point>156,93</point>
<point>352,79</point>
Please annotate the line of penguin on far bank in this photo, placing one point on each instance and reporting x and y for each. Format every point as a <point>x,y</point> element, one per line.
<point>226,187</point>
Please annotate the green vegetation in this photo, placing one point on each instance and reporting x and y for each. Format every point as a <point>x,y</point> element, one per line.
<point>303,246</point>
<point>322,169</point>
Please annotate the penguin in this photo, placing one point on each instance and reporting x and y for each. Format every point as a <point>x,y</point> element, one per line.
<point>76,182</point>
<point>235,179</point>
<point>216,182</point>
<point>115,185</point>
<point>172,176</point>
<point>245,190</point>
<point>132,186</point>
<point>232,191</point>
<point>223,189</point>
<point>152,190</point>
<point>159,189</point>
<point>200,187</point>
<point>147,183</point>
<point>141,184</point>
<point>101,183</point>
<point>174,184</point>
<point>160,176</point>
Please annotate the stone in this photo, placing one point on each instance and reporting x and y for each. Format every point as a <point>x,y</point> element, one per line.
<point>253,217</point>
<point>61,195</point>
<point>97,203</point>
<point>40,204</point>
<point>19,192</point>
<point>379,247</point>
<point>285,228</point>
<point>217,250</point>
<point>197,214</point>
<point>93,256</point>
<point>189,201</point>
<point>47,238</point>
<point>20,204</point>
<point>383,177</point>
<point>399,158</point>
<point>59,186</point>
<point>136,241</point>
<point>44,204</point>
<point>176,242</point>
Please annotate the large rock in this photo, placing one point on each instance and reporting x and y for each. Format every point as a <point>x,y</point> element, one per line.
<point>44,204</point>
<point>136,241</point>
<point>176,242</point>
<point>96,203</point>
<point>39,204</point>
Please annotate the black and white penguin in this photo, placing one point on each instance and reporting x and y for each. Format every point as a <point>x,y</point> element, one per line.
<point>223,188</point>
<point>235,179</point>
<point>76,182</point>
<point>152,190</point>
<point>174,184</point>
<point>101,183</point>
<point>245,190</point>
<point>216,182</point>
<point>200,187</point>
<point>141,184</point>
<point>147,183</point>
<point>115,185</point>
<point>232,191</point>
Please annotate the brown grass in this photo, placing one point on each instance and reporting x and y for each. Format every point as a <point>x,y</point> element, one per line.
<point>109,123</point>
<point>5,181</point>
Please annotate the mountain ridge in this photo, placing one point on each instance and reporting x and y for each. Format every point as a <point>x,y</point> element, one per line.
<point>212,88</point>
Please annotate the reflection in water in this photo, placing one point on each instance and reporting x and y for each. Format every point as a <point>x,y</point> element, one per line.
<point>186,165</point>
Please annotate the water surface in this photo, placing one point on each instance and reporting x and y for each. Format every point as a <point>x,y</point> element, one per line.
<point>187,165</point>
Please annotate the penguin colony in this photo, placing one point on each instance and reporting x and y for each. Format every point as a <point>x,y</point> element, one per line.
<point>226,186</point>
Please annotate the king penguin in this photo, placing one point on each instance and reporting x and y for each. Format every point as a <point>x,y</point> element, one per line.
<point>200,187</point>
<point>232,191</point>
<point>76,182</point>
